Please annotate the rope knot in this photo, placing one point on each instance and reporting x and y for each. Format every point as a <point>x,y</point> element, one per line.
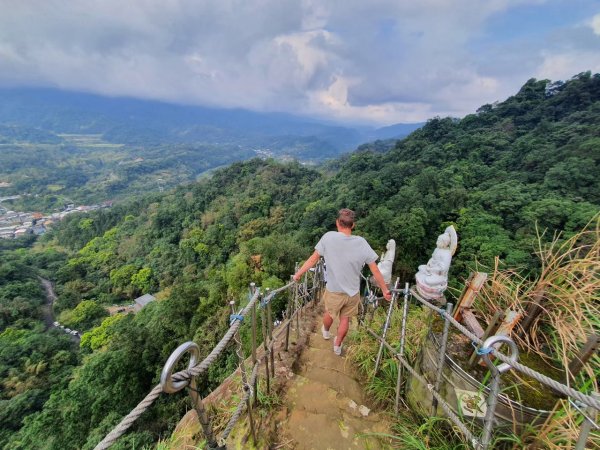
<point>483,350</point>
<point>234,317</point>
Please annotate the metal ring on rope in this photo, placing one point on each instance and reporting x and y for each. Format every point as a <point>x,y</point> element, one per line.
<point>488,348</point>
<point>169,385</point>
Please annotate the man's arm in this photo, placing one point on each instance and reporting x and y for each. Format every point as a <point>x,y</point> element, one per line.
<point>380,281</point>
<point>310,262</point>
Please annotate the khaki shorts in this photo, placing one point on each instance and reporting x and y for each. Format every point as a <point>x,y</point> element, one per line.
<point>341,304</point>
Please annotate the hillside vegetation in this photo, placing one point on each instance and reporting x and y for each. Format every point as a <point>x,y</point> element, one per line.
<point>529,163</point>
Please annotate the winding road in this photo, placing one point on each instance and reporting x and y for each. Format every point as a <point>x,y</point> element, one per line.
<point>47,308</point>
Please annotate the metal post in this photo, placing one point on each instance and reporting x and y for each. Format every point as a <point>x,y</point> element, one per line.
<point>296,307</point>
<point>492,400</point>
<point>253,313</point>
<point>371,299</point>
<point>589,420</point>
<point>288,325</point>
<point>265,347</point>
<point>270,328</point>
<point>489,331</point>
<point>317,284</point>
<point>386,326</point>
<point>169,386</point>
<point>441,359</point>
<point>242,364</point>
<point>402,338</point>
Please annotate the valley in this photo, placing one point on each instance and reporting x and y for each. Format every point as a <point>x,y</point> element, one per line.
<point>509,178</point>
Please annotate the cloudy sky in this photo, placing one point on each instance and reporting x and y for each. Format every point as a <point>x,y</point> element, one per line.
<point>351,61</point>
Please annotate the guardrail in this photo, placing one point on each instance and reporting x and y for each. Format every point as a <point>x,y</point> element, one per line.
<point>484,349</point>
<point>303,294</point>
<point>308,293</point>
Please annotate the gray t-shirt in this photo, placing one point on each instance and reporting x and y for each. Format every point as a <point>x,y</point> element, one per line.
<point>345,257</point>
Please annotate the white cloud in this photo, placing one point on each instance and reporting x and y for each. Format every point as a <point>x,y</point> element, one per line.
<point>563,66</point>
<point>595,24</point>
<point>380,61</point>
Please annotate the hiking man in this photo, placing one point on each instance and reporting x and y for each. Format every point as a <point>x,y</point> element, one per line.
<point>345,255</point>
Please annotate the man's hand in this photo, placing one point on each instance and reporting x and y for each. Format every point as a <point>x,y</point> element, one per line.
<point>380,281</point>
<point>310,262</point>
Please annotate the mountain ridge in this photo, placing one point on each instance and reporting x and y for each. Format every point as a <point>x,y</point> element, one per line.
<point>91,113</point>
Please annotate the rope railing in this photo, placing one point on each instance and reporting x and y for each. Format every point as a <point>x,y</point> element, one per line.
<point>555,385</point>
<point>487,349</point>
<point>174,382</point>
<point>302,294</point>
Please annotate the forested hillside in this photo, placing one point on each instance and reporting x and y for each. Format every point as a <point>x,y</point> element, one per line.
<point>529,163</point>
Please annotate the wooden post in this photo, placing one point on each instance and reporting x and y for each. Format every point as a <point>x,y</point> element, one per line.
<point>489,331</point>
<point>533,310</point>
<point>472,286</point>
<point>587,351</point>
<point>464,291</point>
<point>511,319</point>
<point>472,323</point>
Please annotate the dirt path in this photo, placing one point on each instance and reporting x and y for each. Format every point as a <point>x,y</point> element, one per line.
<point>47,308</point>
<point>325,406</point>
<point>50,299</point>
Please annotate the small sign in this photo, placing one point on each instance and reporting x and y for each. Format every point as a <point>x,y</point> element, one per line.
<point>471,403</point>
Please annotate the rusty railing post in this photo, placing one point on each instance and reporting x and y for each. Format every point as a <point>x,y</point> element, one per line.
<point>270,329</point>
<point>401,354</point>
<point>492,400</point>
<point>441,358</point>
<point>242,365</point>
<point>265,345</point>
<point>386,325</point>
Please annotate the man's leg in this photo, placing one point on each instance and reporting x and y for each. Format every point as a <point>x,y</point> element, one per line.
<point>342,330</point>
<point>327,321</point>
<point>348,310</point>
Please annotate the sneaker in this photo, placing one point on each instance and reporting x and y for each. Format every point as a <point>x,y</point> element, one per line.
<point>337,349</point>
<point>324,332</point>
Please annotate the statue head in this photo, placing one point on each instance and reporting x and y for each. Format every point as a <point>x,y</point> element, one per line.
<point>443,241</point>
<point>448,240</point>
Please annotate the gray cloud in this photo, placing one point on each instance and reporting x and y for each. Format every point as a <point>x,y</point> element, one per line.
<point>381,61</point>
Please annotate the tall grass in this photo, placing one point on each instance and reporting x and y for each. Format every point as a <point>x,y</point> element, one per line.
<point>364,348</point>
<point>410,431</point>
<point>567,290</point>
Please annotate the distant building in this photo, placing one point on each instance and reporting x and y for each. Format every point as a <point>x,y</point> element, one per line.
<point>142,301</point>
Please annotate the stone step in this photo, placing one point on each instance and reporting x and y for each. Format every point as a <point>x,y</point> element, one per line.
<point>318,431</point>
<point>325,404</point>
<point>317,397</point>
<point>337,381</point>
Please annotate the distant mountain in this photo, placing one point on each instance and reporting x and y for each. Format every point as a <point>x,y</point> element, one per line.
<point>396,131</point>
<point>62,146</point>
<point>144,122</point>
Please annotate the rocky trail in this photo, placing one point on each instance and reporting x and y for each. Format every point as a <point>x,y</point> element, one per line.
<point>325,406</point>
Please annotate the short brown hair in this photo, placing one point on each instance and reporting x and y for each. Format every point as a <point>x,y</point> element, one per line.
<point>346,218</point>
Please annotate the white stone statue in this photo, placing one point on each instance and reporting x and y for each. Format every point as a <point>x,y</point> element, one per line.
<point>432,278</point>
<point>387,260</point>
